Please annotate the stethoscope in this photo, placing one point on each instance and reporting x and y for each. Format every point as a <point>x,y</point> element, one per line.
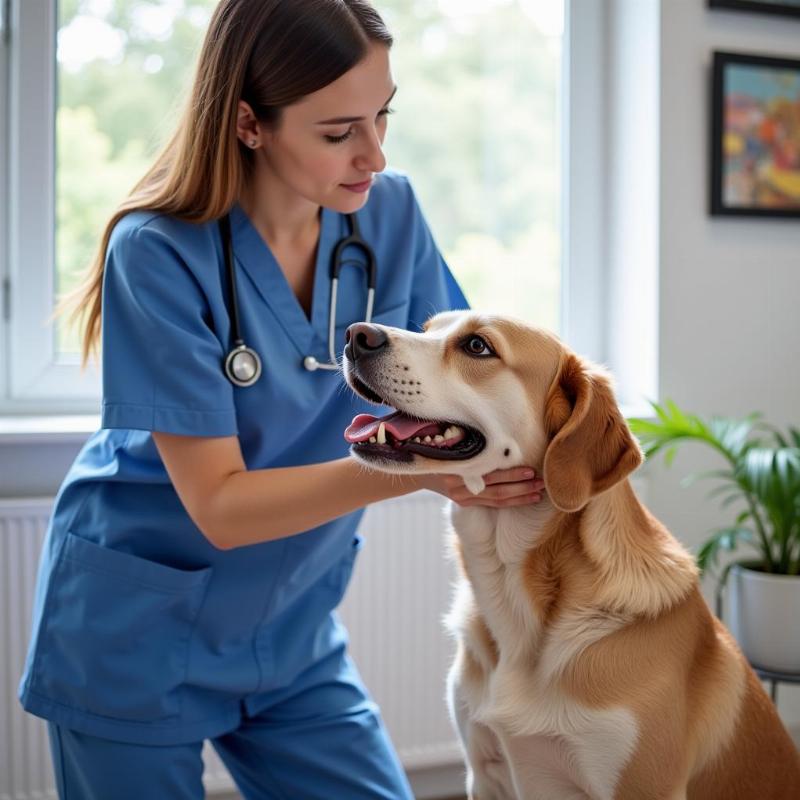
<point>243,364</point>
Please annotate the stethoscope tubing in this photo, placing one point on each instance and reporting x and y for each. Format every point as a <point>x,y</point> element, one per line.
<point>242,364</point>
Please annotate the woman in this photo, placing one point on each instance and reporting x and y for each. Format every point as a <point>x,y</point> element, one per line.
<point>204,535</point>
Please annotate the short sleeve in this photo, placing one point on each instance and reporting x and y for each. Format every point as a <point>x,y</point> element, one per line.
<point>434,287</point>
<point>162,361</point>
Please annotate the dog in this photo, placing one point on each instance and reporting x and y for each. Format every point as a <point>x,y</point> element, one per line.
<point>588,664</point>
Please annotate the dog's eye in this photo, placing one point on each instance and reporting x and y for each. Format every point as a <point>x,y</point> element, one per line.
<point>475,346</point>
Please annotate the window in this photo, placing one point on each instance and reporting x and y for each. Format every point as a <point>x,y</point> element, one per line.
<point>478,130</point>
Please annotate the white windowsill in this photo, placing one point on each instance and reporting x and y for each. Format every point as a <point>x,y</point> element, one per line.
<point>40,429</point>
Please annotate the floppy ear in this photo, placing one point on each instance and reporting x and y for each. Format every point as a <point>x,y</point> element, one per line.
<point>591,447</point>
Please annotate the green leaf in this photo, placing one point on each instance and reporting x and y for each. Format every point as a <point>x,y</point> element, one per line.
<point>707,555</point>
<point>780,439</point>
<point>662,414</point>
<point>724,538</point>
<point>719,474</point>
<point>732,434</point>
<point>734,497</point>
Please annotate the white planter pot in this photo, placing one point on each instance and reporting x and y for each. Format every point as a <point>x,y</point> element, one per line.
<point>764,617</point>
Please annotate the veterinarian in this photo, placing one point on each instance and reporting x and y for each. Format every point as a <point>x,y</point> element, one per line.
<point>206,532</point>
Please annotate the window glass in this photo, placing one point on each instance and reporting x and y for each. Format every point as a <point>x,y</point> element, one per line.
<point>124,67</point>
<point>476,127</point>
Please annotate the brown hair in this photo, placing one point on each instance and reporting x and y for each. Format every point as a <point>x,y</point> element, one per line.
<point>269,53</point>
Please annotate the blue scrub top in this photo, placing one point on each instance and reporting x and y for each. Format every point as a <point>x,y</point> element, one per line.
<point>142,630</point>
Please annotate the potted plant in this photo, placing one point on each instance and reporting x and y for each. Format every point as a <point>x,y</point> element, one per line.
<point>761,474</point>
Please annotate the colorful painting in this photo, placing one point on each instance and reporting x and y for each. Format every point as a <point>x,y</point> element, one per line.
<point>790,8</point>
<point>756,135</point>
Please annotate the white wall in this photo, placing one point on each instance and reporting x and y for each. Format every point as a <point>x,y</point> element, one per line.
<point>729,288</point>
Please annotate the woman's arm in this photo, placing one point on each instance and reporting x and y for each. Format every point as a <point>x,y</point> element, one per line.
<point>234,506</point>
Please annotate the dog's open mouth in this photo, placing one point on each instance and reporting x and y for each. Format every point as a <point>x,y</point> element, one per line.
<point>398,436</point>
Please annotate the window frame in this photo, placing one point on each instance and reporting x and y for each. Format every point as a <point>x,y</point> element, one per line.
<point>33,383</point>
<point>5,286</point>
<point>583,178</point>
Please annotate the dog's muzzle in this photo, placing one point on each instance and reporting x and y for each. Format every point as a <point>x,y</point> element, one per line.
<point>397,436</point>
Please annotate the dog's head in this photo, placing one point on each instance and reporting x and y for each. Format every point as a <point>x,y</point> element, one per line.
<point>475,393</point>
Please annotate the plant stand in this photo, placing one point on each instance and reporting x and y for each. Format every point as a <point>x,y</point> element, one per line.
<point>774,678</point>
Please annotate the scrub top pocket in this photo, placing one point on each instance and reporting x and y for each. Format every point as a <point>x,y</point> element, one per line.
<point>115,633</point>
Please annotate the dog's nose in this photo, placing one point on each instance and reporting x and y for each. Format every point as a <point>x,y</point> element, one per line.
<point>363,339</point>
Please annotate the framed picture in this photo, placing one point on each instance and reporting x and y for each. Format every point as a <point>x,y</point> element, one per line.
<point>755,136</point>
<point>787,8</point>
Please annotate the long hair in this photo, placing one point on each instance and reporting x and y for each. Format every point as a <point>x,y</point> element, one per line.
<point>269,53</point>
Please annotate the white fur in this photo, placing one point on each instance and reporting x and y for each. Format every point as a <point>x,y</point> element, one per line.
<point>553,746</point>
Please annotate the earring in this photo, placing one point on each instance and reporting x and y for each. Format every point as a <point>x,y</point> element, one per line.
<point>253,143</point>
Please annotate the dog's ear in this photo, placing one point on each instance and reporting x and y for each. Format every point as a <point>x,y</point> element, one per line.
<point>591,447</point>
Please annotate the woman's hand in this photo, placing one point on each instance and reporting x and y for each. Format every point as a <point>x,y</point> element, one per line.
<point>504,488</point>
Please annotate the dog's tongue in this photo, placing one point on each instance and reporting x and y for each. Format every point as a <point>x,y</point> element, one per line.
<point>398,424</point>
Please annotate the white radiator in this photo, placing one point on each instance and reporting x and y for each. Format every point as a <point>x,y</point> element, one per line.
<point>393,610</point>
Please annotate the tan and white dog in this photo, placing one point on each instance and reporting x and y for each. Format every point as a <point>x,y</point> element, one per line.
<point>588,663</point>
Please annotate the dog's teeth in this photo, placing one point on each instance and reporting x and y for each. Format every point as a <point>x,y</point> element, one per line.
<point>438,439</point>
<point>372,440</point>
<point>417,439</point>
<point>427,439</point>
<point>382,433</point>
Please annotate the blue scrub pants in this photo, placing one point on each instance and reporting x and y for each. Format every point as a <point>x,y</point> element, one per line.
<point>321,738</point>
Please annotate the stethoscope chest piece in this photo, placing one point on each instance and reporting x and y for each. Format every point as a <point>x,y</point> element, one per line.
<point>243,366</point>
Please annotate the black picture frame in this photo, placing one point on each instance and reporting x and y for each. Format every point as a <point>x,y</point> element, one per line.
<point>720,204</point>
<point>756,7</point>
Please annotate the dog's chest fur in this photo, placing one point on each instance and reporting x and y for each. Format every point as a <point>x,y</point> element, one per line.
<point>518,693</point>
